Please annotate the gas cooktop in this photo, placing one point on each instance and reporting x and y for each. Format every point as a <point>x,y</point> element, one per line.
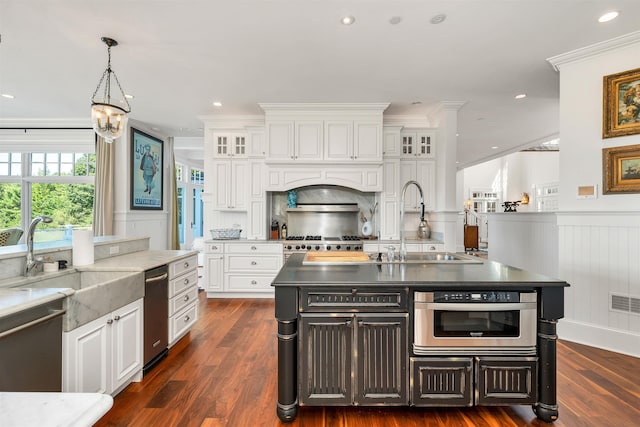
<point>320,243</point>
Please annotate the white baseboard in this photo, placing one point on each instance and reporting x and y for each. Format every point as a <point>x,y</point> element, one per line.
<point>596,336</point>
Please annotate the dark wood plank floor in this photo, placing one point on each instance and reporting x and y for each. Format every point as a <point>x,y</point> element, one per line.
<point>224,374</point>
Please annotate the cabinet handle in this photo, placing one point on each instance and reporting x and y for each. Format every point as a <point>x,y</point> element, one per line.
<point>186,318</point>
<point>110,321</point>
<point>116,318</point>
<point>214,248</point>
<point>254,263</point>
<point>186,281</point>
<point>253,282</point>
<point>292,157</point>
<point>186,297</point>
<point>186,265</point>
<point>253,248</point>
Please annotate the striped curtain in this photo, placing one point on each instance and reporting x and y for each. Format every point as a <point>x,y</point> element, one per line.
<point>103,189</point>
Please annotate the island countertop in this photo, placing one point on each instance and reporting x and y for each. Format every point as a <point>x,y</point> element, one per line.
<point>445,275</point>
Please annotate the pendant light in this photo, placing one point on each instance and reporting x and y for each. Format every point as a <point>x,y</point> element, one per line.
<point>109,115</point>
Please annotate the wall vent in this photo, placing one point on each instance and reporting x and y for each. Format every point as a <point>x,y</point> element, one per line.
<point>625,303</point>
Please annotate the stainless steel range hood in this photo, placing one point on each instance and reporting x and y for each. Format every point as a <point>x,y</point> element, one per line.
<point>323,219</point>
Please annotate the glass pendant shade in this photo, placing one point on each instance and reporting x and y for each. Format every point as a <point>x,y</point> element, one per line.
<point>109,115</point>
<point>109,121</point>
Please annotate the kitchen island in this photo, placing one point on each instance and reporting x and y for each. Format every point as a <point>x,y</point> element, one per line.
<point>355,333</point>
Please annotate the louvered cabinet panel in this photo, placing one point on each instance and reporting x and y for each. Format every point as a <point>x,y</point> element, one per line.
<point>325,355</point>
<point>506,380</point>
<point>381,359</point>
<point>441,381</point>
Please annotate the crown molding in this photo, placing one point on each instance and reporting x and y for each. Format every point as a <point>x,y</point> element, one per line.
<point>407,121</point>
<point>298,107</point>
<point>592,50</point>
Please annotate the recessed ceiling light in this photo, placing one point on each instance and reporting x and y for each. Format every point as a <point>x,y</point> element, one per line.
<point>457,134</point>
<point>438,19</point>
<point>126,95</point>
<point>395,20</point>
<point>495,147</point>
<point>8,96</point>
<point>154,128</point>
<point>416,103</point>
<point>348,20</point>
<point>609,16</point>
<point>520,96</point>
<point>217,104</point>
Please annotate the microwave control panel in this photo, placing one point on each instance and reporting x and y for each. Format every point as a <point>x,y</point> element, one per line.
<point>479,296</point>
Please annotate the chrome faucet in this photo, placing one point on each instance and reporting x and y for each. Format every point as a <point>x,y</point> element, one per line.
<point>32,262</point>
<point>403,244</point>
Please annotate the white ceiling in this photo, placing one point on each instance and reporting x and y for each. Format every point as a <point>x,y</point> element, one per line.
<point>178,56</point>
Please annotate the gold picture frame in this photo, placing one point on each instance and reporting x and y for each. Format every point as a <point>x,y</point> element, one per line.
<point>621,104</point>
<point>621,169</point>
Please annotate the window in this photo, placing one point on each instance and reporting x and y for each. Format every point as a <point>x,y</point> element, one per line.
<point>197,176</point>
<point>56,184</point>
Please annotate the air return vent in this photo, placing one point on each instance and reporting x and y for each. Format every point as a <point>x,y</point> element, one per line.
<point>625,303</point>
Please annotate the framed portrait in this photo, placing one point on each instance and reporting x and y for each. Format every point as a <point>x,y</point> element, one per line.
<point>621,169</point>
<point>621,104</point>
<point>146,171</point>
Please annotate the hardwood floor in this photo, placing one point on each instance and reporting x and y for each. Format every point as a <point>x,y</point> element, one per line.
<point>224,374</point>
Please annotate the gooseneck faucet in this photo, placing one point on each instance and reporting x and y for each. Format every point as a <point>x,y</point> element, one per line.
<point>32,262</point>
<point>403,244</point>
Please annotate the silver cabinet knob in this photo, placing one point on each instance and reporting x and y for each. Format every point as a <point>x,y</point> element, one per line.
<point>186,265</point>
<point>186,281</point>
<point>253,282</point>
<point>253,248</point>
<point>186,297</point>
<point>110,321</point>
<point>254,263</point>
<point>214,248</point>
<point>186,318</point>
<point>116,318</point>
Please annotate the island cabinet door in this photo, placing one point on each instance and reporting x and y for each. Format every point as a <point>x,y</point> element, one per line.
<point>381,359</point>
<point>446,381</point>
<point>325,359</point>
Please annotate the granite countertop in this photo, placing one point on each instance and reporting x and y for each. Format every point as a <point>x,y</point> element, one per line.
<point>480,275</point>
<point>53,409</point>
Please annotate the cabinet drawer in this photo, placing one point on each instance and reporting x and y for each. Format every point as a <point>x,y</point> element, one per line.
<point>242,263</point>
<point>249,283</point>
<point>254,248</point>
<point>176,268</point>
<point>353,300</point>
<point>177,285</point>
<point>214,248</point>
<point>183,321</point>
<point>182,300</point>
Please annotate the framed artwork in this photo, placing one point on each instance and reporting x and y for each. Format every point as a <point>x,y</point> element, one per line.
<point>621,104</point>
<point>146,171</point>
<point>621,169</point>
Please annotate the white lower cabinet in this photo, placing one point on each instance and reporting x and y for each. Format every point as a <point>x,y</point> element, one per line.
<point>104,355</point>
<point>241,268</point>
<point>183,297</point>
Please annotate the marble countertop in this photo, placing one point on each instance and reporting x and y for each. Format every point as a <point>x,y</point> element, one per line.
<point>53,409</point>
<point>138,261</point>
<point>13,300</point>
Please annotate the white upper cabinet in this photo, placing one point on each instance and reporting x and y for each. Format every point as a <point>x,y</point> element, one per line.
<point>231,184</point>
<point>353,141</point>
<point>291,140</point>
<point>308,140</point>
<point>227,145</point>
<point>324,133</point>
<point>391,141</point>
<point>418,143</point>
<point>424,172</point>
<point>256,142</point>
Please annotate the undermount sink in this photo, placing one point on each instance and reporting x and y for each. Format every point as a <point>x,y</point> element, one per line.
<point>96,292</point>
<point>436,258</point>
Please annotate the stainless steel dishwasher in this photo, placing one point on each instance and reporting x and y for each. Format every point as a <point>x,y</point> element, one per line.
<point>156,316</point>
<point>31,349</point>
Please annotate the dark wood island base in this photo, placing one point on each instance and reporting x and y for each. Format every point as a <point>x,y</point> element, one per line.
<point>345,338</point>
